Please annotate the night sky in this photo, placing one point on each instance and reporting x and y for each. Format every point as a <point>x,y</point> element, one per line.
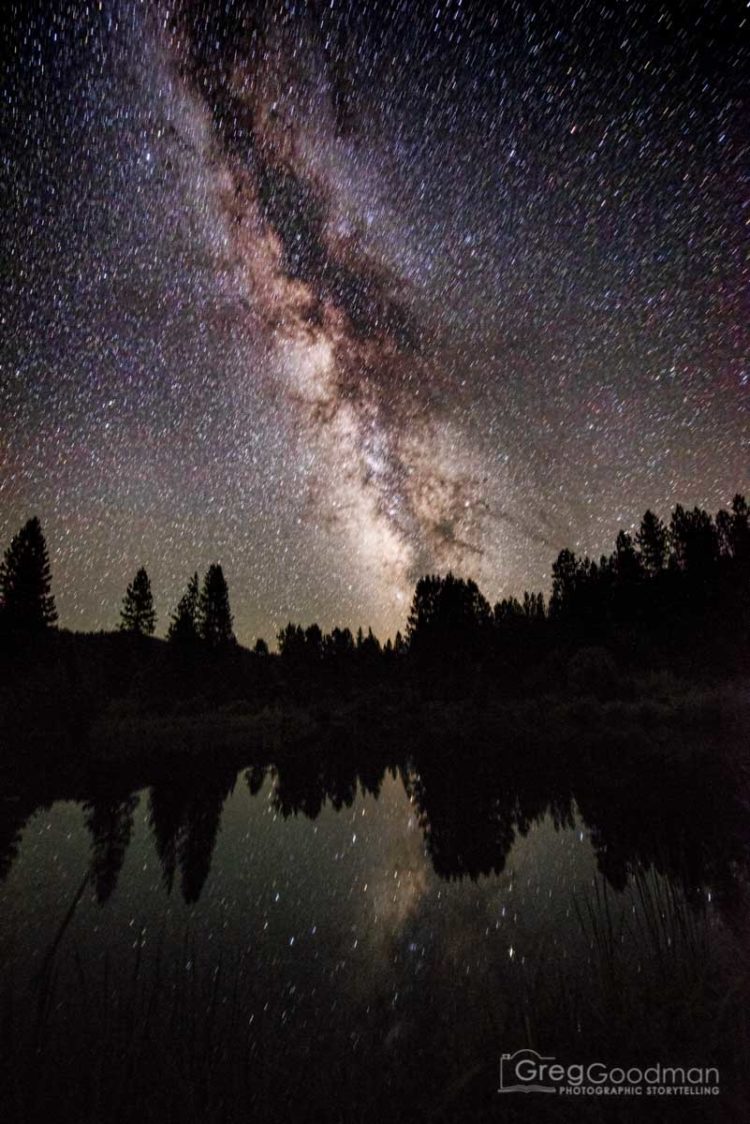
<point>339,294</point>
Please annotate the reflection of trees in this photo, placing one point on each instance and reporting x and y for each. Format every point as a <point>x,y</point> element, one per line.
<point>371,774</point>
<point>15,812</point>
<point>664,806</point>
<point>198,838</point>
<point>255,777</point>
<point>681,818</point>
<point>471,817</point>
<point>676,814</point>
<point>109,819</point>
<point>299,788</point>
<point>323,776</point>
<point>165,816</point>
<point>460,842</point>
<point>185,815</point>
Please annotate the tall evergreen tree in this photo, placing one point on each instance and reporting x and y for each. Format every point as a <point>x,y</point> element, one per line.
<point>215,617</point>
<point>291,641</point>
<point>625,562</point>
<point>653,542</point>
<point>740,529</point>
<point>565,578</point>
<point>314,642</point>
<point>184,626</point>
<point>137,613</point>
<point>695,540</point>
<point>25,581</point>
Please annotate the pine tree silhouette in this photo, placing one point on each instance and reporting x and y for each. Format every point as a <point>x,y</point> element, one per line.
<point>215,617</point>
<point>739,532</point>
<point>137,613</point>
<point>653,541</point>
<point>25,581</point>
<point>184,626</point>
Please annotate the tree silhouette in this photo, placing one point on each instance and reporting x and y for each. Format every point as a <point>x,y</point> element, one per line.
<point>338,644</point>
<point>25,581</point>
<point>448,616</point>
<point>166,812</point>
<point>314,642</point>
<point>695,540</point>
<point>740,524</point>
<point>739,530</point>
<point>183,628</point>
<point>508,609</point>
<point>214,614</point>
<point>370,647</point>
<point>109,819</point>
<point>184,816</point>
<point>653,543</point>
<point>197,839</point>
<point>292,643</point>
<point>565,579</point>
<point>533,606</point>
<point>137,613</point>
<point>625,561</point>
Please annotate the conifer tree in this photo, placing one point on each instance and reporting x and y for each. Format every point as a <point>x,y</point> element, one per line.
<point>184,626</point>
<point>653,541</point>
<point>137,613</point>
<point>25,581</point>
<point>215,617</point>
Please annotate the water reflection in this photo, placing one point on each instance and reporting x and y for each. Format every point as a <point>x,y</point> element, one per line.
<point>677,815</point>
<point>109,820</point>
<point>185,814</point>
<point>349,929</point>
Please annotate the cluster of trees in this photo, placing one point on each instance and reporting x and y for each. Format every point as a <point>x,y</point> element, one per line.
<point>300,646</point>
<point>692,572</point>
<point>202,613</point>
<point>663,574</point>
<point>28,605</point>
<point>470,805</point>
<point>661,591</point>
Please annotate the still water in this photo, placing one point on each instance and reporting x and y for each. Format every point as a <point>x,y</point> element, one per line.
<point>316,941</point>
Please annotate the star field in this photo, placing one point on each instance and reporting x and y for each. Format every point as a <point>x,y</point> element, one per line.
<point>339,294</point>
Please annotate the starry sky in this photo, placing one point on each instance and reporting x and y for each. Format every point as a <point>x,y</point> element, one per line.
<point>338,294</point>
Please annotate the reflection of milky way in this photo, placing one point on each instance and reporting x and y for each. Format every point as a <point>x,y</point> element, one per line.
<point>340,294</point>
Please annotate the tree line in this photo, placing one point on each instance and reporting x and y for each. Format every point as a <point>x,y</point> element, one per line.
<point>202,613</point>
<point>653,586</point>
<point>27,603</point>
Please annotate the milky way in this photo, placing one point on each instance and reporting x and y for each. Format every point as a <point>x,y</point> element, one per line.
<point>339,294</point>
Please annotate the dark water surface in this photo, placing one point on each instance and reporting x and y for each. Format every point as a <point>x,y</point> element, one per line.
<point>325,940</point>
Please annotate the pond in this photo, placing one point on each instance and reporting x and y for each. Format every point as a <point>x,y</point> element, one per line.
<point>326,939</point>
